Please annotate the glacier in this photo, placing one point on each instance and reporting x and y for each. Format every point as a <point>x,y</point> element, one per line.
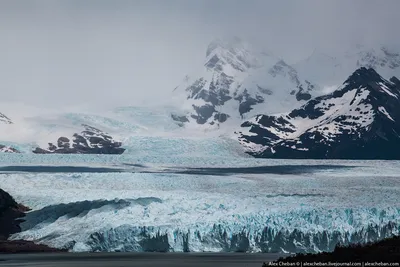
<point>148,199</point>
<point>134,211</point>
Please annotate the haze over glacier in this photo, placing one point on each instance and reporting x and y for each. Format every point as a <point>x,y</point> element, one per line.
<point>235,82</point>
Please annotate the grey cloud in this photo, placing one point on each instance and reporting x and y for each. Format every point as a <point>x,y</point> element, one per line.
<point>60,53</point>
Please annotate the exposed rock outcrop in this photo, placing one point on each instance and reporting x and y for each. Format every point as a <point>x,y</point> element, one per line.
<point>11,216</point>
<point>89,141</point>
<point>8,149</point>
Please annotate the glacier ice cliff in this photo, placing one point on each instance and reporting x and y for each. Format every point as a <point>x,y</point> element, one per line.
<point>74,227</point>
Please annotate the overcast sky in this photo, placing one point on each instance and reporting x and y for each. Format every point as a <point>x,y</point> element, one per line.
<point>74,52</point>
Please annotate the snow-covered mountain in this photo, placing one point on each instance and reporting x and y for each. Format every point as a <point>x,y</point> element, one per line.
<point>360,120</point>
<point>8,149</point>
<point>89,141</point>
<point>236,83</point>
<point>144,131</point>
<point>33,133</point>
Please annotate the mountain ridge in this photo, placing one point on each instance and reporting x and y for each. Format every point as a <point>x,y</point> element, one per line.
<point>236,82</point>
<point>358,120</point>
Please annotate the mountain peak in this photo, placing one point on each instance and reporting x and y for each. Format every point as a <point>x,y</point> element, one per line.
<point>369,78</point>
<point>364,75</point>
<point>232,52</point>
<point>239,81</point>
<point>360,120</point>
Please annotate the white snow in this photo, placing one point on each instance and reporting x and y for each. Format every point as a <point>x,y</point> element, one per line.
<point>271,73</point>
<point>351,105</point>
<point>383,110</point>
<point>263,75</point>
<point>387,90</point>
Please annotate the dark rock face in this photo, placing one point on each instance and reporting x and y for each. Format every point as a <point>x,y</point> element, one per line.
<point>231,82</point>
<point>10,212</point>
<point>89,141</point>
<point>63,142</point>
<point>246,101</point>
<point>203,113</point>
<point>219,91</point>
<point>10,218</point>
<point>179,118</point>
<point>23,246</point>
<point>395,81</point>
<point>301,95</point>
<point>8,149</point>
<point>360,120</point>
<point>217,94</point>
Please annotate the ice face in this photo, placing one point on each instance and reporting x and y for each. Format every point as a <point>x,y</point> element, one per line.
<point>307,211</point>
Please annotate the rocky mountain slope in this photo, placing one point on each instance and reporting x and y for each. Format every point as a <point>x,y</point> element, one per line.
<point>236,82</point>
<point>89,141</point>
<point>360,120</point>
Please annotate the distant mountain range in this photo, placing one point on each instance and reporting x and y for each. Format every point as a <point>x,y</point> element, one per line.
<point>89,141</point>
<point>237,83</point>
<point>359,120</point>
<point>276,109</point>
<point>299,110</point>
